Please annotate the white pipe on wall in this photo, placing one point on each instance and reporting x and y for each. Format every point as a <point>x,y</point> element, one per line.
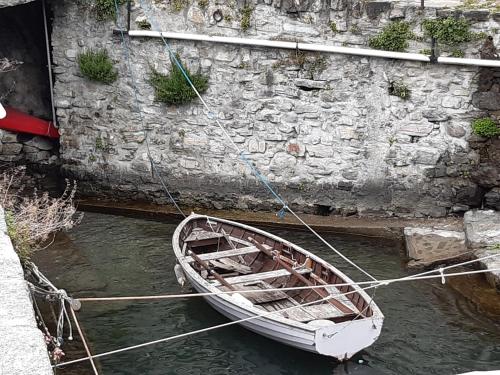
<point>473,62</point>
<point>313,47</point>
<point>280,44</point>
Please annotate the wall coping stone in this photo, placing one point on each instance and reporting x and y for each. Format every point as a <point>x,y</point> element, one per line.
<point>21,343</point>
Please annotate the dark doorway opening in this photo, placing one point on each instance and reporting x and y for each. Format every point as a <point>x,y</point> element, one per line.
<point>22,38</point>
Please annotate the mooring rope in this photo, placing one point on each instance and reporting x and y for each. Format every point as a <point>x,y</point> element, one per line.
<point>154,168</point>
<point>80,332</point>
<point>207,329</point>
<point>288,289</point>
<point>212,116</point>
<point>256,316</point>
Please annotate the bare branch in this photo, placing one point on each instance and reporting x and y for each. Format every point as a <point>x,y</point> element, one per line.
<point>31,220</point>
<point>7,65</point>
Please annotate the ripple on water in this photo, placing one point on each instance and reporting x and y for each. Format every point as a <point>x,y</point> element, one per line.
<point>429,328</point>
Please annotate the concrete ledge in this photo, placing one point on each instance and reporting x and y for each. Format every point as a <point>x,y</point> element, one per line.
<point>22,347</point>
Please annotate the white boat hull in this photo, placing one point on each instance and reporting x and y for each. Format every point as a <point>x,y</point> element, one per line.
<point>339,340</point>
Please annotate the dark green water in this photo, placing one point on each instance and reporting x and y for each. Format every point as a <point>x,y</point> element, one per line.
<point>429,329</point>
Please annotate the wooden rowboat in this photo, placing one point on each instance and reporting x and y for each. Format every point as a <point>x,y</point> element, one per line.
<point>217,255</point>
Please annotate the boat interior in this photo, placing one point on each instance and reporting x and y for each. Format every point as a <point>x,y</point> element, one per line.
<point>234,258</point>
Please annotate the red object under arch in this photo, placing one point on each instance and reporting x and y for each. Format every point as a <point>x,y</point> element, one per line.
<point>17,121</point>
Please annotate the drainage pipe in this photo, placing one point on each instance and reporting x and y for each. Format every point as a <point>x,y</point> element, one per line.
<point>312,47</point>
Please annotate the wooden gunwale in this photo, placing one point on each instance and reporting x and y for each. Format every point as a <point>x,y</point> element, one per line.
<point>331,274</point>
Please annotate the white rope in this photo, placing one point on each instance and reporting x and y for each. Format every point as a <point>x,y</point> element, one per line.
<point>80,332</point>
<point>369,283</point>
<point>203,330</point>
<point>257,316</point>
<point>419,276</point>
<point>211,115</point>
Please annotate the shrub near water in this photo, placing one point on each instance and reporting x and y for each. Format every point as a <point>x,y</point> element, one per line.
<point>33,219</point>
<point>174,88</point>
<point>485,127</point>
<point>393,37</point>
<point>97,66</point>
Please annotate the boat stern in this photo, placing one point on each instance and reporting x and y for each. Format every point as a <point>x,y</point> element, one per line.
<point>343,340</point>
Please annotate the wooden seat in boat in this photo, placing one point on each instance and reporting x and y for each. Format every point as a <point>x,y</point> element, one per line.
<point>303,314</point>
<point>200,237</point>
<point>260,276</point>
<point>225,253</point>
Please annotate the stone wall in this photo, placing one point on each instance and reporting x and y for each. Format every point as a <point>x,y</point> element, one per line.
<point>323,128</point>
<point>27,149</point>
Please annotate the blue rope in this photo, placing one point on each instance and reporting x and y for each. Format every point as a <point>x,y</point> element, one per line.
<point>154,169</point>
<point>210,115</point>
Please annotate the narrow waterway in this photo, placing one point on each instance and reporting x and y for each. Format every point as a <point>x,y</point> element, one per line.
<point>429,328</point>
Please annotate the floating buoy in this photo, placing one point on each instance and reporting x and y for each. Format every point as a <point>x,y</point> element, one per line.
<point>179,274</point>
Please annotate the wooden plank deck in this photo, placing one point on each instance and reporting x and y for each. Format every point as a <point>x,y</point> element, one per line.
<point>260,276</point>
<point>304,313</point>
<point>225,254</point>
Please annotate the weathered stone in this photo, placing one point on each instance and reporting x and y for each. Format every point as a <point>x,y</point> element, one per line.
<point>309,84</point>
<point>39,156</point>
<point>435,115</point>
<point>492,199</point>
<point>8,137</point>
<point>376,8</point>
<point>477,15</point>
<point>12,148</point>
<point>482,228</point>
<point>426,246</point>
<point>427,156</point>
<point>455,131</point>
<point>416,130</point>
<point>397,13</point>
<point>489,101</point>
<point>493,263</point>
<point>41,143</point>
<point>451,102</point>
<point>63,103</point>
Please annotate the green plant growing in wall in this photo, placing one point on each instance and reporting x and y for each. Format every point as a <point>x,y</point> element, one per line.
<point>333,27</point>
<point>449,31</point>
<point>105,9</point>
<point>100,144</point>
<point>393,37</point>
<point>355,30</point>
<point>486,127</point>
<point>97,66</point>
<point>143,25</point>
<point>178,5</point>
<point>173,88</point>
<point>246,15</point>
<point>203,4</point>
<point>457,53</point>
<point>399,89</point>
